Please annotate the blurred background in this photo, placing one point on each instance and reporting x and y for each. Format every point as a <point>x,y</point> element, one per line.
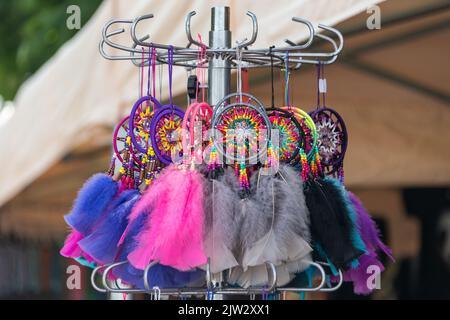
<point>60,100</point>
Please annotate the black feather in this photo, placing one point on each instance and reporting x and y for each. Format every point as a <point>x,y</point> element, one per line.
<point>331,226</point>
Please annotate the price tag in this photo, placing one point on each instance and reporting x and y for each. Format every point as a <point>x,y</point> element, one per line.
<point>322,85</point>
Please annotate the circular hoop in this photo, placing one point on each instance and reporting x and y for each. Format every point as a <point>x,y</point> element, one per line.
<point>240,105</point>
<point>196,112</point>
<point>332,138</point>
<point>132,125</point>
<point>283,127</point>
<point>160,114</point>
<point>309,128</point>
<point>124,124</point>
<point>249,99</point>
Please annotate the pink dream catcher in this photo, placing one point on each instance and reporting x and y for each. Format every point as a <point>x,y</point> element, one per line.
<point>197,118</point>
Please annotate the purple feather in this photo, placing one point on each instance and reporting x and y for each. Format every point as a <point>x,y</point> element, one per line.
<point>101,244</point>
<point>93,198</point>
<point>369,230</point>
<point>360,275</point>
<point>371,237</point>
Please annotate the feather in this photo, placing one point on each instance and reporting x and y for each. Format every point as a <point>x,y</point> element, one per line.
<point>369,230</point>
<point>84,262</point>
<point>71,249</point>
<point>331,226</point>
<point>360,275</point>
<point>101,244</point>
<point>221,223</point>
<point>370,234</point>
<point>284,217</point>
<point>93,198</point>
<point>174,233</point>
<point>344,201</point>
<point>258,276</point>
<point>158,275</point>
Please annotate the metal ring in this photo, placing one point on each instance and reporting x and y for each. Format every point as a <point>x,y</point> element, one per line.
<point>233,105</point>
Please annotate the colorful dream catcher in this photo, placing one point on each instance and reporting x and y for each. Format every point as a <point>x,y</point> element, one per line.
<point>292,137</point>
<point>242,133</point>
<point>331,131</point>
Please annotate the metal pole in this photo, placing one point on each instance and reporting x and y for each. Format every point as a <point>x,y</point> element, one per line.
<point>219,71</point>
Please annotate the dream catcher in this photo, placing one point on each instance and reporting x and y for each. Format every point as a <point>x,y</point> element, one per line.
<point>197,118</point>
<point>310,159</point>
<point>165,128</point>
<point>122,145</point>
<point>157,132</point>
<point>242,130</point>
<point>331,131</point>
<point>291,136</point>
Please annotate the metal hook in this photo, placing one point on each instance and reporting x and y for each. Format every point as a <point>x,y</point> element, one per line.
<point>271,267</point>
<point>118,289</point>
<point>157,293</point>
<point>340,282</point>
<point>189,33</point>
<point>209,282</point>
<point>317,288</point>
<point>133,50</point>
<point>146,270</point>
<point>93,274</point>
<point>143,43</point>
<point>304,45</point>
<point>337,48</point>
<point>245,43</point>
<point>106,36</point>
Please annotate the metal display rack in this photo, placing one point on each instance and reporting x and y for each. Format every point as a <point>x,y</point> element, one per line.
<point>220,59</point>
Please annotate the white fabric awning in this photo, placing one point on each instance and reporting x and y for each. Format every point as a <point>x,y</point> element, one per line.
<point>77,89</point>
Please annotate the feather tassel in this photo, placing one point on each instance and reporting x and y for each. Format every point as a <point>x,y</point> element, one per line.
<point>93,198</point>
<point>371,237</point>
<point>174,233</point>
<point>369,230</point>
<point>221,223</point>
<point>158,275</point>
<point>101,244</point>
<point>331,226</point>
<point>281,207</point>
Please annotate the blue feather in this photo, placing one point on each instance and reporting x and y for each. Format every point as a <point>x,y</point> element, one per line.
<point>85,263</point>
<point>93,198</point>
<point>101,244</point>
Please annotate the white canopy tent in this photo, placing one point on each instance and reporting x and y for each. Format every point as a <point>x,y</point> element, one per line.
<point>77,90</point>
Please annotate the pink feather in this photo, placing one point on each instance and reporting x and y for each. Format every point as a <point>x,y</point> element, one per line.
<point>173,235</point>
<point>71,249</point>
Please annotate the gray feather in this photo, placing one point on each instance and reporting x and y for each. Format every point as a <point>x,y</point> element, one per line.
<point>278,231</point>
<point>221,221</point>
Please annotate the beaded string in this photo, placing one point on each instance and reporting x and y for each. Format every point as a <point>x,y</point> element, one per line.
<point>271,76</point>
<point>147,173</point>
<point>305,166</point>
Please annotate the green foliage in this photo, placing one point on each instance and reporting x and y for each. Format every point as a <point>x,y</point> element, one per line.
<point>31,31</point>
